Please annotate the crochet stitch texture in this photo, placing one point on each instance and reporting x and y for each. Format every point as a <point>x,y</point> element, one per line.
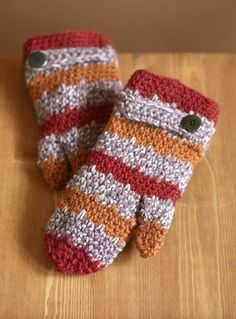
<point>73,95</point>
<point>139,167</point>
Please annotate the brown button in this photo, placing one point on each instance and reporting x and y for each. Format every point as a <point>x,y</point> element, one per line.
<point>191,123</point>
<point>37,59</point>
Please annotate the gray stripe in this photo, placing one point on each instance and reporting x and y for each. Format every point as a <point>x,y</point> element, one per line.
<point>70,142</point>
<point>85,137</point>
<point>65,58</point>
<point>75,96</point>
<point>110,191</point>
<point>165,115</point>
<point>50,145</point>
<point>150,163</point>
<point>156,208</point>
<point>83,232</point>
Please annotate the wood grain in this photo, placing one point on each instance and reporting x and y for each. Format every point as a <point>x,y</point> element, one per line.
<point>194,276</point>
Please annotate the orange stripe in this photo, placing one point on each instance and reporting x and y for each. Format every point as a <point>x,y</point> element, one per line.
<point>149,237</point>
<point>115,224</point>
<point>163,144</point>
<point>55,172</point>
<point>90,73</point>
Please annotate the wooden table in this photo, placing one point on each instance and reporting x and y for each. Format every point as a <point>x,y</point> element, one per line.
<point>194,276</point>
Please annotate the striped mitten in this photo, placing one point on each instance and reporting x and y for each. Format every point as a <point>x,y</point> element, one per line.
<point>73,79</point>
<point>139,167</point>
<point>169,127</point>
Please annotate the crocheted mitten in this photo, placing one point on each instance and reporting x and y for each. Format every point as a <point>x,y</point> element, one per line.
<point>73,79</point>
<point>139,167</point>
<point>170,126</point>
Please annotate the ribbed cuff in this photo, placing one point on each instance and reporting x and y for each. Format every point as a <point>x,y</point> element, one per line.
<point>65,39</point>
<point>173,91</point>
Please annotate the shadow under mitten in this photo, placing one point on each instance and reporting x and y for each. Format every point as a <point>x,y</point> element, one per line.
<point>73,79</point>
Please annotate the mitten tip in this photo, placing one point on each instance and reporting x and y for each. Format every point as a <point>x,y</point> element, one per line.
<point>149,238</point>
<point>68,258</point>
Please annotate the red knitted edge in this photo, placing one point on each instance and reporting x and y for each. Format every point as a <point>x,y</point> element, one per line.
<point>68,258</point>
<point>65,39</point>
<point>65,121</point>
<point>173,91</point>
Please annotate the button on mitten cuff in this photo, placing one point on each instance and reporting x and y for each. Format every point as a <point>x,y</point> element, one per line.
<point>73,79</point>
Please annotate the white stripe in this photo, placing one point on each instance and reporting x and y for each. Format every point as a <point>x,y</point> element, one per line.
<point>85,137</point>
<point>110,191</point>
<point>50,145</point>
<point>149,162</point>
<point>65,58</point>
<point>156,208</point>
<point>76,96</point>
<point>70,142</point>
<point>83,232</point>
<point>161,114</point>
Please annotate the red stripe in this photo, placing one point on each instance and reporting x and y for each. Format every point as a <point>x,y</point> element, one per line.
<point>69,258</point>
<point>65,39</point>
<point>173,91</point>
<point>140,183</point>
<point>64,121</point>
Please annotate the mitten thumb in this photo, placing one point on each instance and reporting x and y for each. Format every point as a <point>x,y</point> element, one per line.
<point>153,222</point>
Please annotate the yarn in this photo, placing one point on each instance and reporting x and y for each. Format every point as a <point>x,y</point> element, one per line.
<point>133,176</point>
<point>73,95</point>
